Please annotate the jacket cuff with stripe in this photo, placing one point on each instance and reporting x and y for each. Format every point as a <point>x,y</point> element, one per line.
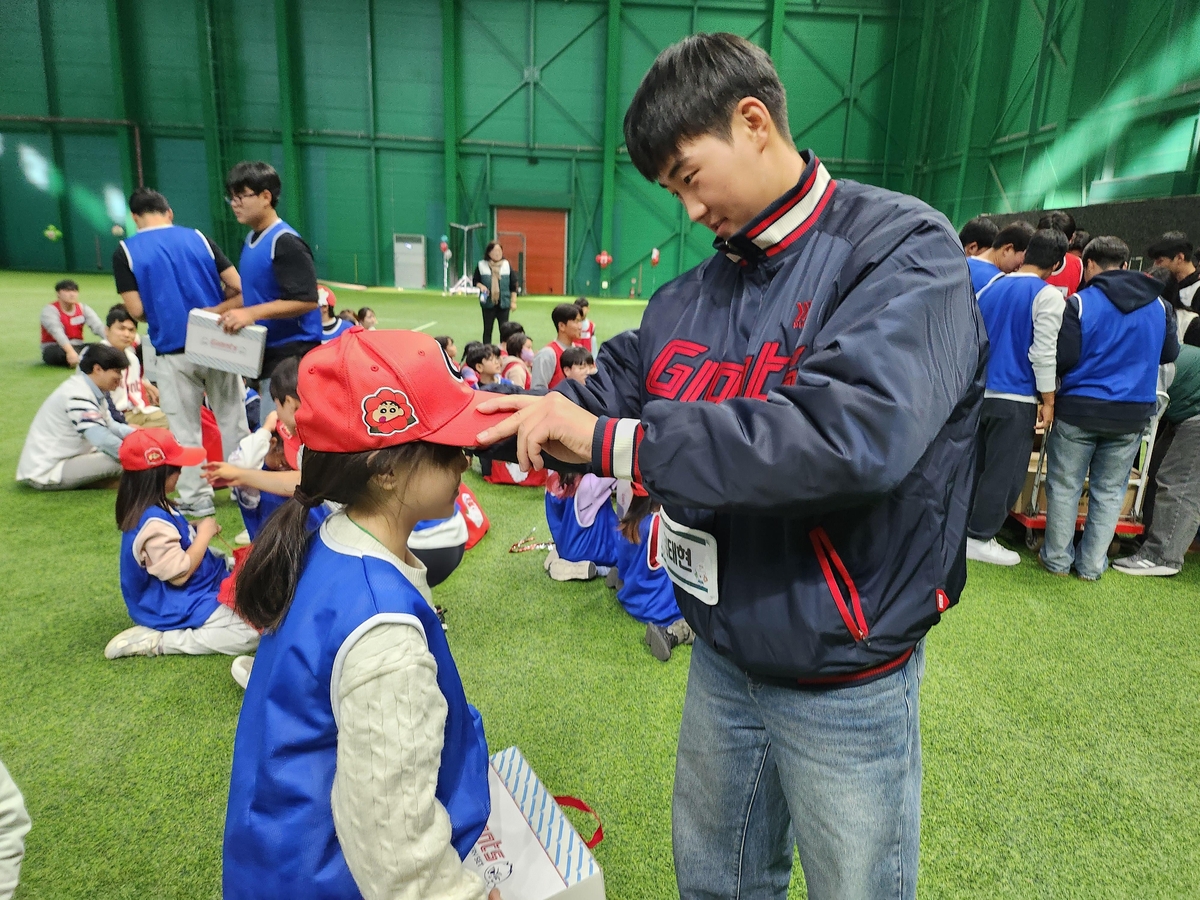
<point>615,445</point>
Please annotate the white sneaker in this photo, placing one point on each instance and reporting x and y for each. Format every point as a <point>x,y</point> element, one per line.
<point>136,641</point>
<point>551,557</point>
<point>561,570</point>
<point>240,670</point>
<point>1138,565</point>
<point>991,552</point>
<point>242,539</point>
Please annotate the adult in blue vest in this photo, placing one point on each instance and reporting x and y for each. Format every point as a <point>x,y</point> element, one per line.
<point>1115,334</point>
<point>1006,254</point>
<point>163,272</point>
<point>1022,314</point>
<point>359,768</point>
<point>279,278</point>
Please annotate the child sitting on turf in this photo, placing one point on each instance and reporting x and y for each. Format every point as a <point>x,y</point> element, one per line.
<point>264,469</point>
<point>484,361</point>
<point>470,376</point>
<point>583,524</point>
<point>169,577</point>
<point>516,363</point>
<point>507,330</point>
<point>447,344</point>
<point>577,364</point>
<point>359,768</point>
<point>587,328</point>
<point>644,588</point>
<point>366,318</point>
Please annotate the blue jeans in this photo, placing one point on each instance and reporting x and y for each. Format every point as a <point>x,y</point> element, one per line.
<point>1104,460</point>
<point>762,767</point>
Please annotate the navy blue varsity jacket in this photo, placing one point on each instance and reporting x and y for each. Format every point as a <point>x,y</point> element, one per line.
<point>809,396</point>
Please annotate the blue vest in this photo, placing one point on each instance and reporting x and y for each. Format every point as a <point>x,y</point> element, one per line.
<point>982,272</point>
<point>576,543</point>
<point>159,604</point>
<point>255,519</point>
<point>1007,307</point>
<point>279,835</point>
<point>646,593</point>
<point>176,273</point>
<point>1114,362</point>
<point>341,326</point>
<point>259,286</point>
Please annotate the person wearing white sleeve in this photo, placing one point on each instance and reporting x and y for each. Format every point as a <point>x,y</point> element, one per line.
<point>73,440</point>
<point>62,325</point>
<point>135,398</point>
<point>359,767</point>
<point>1022,314</point>
<point>14,825</point>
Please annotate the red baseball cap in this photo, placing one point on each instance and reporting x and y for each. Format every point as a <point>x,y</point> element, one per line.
<point>149,448</point>
<point>373,389</point>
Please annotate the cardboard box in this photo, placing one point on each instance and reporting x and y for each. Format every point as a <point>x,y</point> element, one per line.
<point>1022,504</point>
<point>208,345</point>
<point>529,850</point>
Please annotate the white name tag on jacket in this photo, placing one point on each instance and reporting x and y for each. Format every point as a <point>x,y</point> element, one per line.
<point>690,558</point>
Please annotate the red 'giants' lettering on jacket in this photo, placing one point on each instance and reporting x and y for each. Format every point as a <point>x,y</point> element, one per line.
<point>673,377</point>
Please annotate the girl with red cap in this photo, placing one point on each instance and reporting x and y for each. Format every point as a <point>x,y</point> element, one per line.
<point>169,576</point>
<point>359,768</point>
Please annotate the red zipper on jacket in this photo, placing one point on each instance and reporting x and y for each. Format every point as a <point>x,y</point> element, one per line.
<point>828,557</point>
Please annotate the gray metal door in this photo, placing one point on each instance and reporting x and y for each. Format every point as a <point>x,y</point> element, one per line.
<point>408,254</point>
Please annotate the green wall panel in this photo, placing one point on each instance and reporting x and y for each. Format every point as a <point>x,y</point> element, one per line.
<point>22,83</point>
<point>164,43</point>
<point>92,170</point>
<point>26,206</point>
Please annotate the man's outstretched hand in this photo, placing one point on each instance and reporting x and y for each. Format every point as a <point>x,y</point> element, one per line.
<point>551,423</point>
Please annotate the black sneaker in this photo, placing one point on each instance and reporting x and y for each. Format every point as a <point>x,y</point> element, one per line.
<point>661,641</point>
<point>441,614</point>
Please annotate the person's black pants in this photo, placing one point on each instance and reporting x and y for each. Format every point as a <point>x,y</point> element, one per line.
<point>54,355</point>
<point>440,561</point>
<point>1005,439</point>
<point>492,315</point>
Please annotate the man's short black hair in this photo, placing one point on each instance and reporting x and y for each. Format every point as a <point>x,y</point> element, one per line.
<point>1170,245</point>
<point>1060,219</point>
<point>257,175</point>
<point>118,314</point>
<point>468,347</point>
<point>104,356</point>
<point>516,343</point>
<point>980,231</point>
<point>691,90</point>
<point>147,200</point>
<point>582,302</point>
<point>284,379</point>
<point>1107,252</point>
<point>1046,248</point>
<point>1079,240</point>
<point>574,356</point>
<point>1016,233</point>
<point>1170,284</point>
<point>479,353</point>
<point>508,329</point>
<point>564,313</point>
<point>67,284</point>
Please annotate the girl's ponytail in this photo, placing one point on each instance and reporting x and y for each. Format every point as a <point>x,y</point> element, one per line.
<point>640,507</point>
<point>265,584</point>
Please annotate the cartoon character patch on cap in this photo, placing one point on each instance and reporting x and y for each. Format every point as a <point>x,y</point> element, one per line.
<point>155,457</point>
<point>387,411</point>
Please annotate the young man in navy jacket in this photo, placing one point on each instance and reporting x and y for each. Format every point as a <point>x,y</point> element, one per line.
<point>1022,314</point>
<point>1115,334</point>
<point>804,406</point>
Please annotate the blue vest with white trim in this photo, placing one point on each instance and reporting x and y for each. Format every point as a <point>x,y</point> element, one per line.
<point>159,604</point>
<point>1007,308</point>
<point>280,840</point>
<point>982,272</point>
<point>259,286</point>
<point>577,543</point>
<point>176,273</point>
<point>254,519</point>
<point>1114,363</point>
<point>646,592</point>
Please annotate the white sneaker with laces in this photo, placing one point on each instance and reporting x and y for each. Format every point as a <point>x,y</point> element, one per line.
<point>1139,565</point>
<point>991,552</point>
<point>240,670</point>
<point>561,570</point>
<point>136,641</point>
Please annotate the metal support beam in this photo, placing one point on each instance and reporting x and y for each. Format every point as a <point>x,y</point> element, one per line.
<point>775,47</point>
<point>292,175</point>
<point>126,98</point>
<point>1035,106</point>
<point>612,127</point>
<point>450,107</point>
<point>214,158</point>
<point>46,28</point>
<point>372,105</point>
<point>918,126</point>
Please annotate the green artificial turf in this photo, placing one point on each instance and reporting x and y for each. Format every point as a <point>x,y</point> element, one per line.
<point>1060,718</point>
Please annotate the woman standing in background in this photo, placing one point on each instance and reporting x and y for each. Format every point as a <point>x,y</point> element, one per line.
<point>498,288</point>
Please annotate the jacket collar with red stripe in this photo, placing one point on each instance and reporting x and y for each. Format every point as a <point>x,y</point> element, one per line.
<point>786,220</point>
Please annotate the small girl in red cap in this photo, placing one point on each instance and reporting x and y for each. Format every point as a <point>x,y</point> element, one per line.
<point>359,768</point>
<point>169,577</point>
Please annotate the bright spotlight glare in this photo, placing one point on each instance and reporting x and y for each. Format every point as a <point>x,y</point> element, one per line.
<point>114,202</point>
<point>35,167</point>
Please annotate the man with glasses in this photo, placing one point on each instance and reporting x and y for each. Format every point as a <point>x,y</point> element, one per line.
<point>163,272</point>
<point>279,278</point>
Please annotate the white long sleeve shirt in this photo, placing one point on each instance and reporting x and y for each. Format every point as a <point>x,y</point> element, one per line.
<point>394,833</point>
<point>1048,308</point>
